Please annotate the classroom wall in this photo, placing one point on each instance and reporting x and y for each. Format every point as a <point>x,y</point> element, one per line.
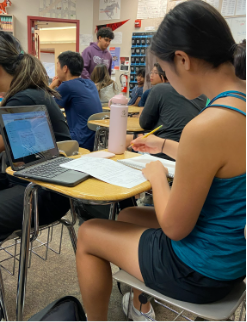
<point>23,8</point>
<point>128,11</point>
<point>58,49</point>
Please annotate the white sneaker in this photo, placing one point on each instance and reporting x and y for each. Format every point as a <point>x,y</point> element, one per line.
<point>134,314</point>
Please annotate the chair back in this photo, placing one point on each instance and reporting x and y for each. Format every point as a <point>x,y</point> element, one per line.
<point>97,116</point>
<point>3,160</point>
<point>68,148</point>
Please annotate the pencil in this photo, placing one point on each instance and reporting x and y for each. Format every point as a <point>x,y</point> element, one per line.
<point>146,135</point>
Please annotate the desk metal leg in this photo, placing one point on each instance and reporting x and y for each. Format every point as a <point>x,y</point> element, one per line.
<point>2,299</point>
<point>24,251</point>
<point>112,213</point>
<point>70,225</point>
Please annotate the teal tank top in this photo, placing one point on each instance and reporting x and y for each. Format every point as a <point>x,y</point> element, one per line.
<point>216,247</point>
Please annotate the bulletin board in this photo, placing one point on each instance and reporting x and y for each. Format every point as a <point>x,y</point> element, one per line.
<point>234,11</point>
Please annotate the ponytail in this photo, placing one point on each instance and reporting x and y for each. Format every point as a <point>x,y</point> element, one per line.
<point>27,70</point>
<point>240,60</point>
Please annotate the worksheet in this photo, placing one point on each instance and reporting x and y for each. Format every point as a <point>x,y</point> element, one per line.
<point>107,170</point>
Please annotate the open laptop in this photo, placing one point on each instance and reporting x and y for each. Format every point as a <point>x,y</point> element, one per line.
<point>31,147</point>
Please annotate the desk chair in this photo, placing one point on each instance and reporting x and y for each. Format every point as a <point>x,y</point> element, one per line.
<point>101,133</point>
<point>33,234</point>
<point>3,165</point>
<point>68,148</point>
<point>24,246</point>
<point>220,310</point>
<point>3,310</point>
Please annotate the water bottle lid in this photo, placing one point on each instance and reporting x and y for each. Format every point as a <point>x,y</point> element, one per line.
<point>119,99</point>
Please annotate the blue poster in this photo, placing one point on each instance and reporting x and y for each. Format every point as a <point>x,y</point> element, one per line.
<point>115,53</point>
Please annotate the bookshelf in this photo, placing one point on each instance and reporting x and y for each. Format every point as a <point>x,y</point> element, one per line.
<point>7,23</point>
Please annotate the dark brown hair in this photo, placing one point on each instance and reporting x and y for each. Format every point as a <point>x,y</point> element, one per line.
<point>161,73</point>
<point>100,76</point>
<point>240,60</point>
<point>27,70</point>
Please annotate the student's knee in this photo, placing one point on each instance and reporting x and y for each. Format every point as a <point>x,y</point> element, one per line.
<point>86,232</point>
<point>126,213</point>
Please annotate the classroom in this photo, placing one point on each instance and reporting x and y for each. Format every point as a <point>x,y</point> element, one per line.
<point>122,160</point>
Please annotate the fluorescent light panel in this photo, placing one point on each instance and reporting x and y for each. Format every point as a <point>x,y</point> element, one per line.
<point>58,28</point>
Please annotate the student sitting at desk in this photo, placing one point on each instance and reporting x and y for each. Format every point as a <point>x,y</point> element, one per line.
<point>138,89</point>
<point>79,97</point>
<point>23,78</point>
<point>191,245</point>
<point>106,87</point>
<point>240,60</point>
<point>163,107</point>
<point>157,76</point>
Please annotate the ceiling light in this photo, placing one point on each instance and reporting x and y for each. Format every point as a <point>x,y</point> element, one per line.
<point>58,28</point>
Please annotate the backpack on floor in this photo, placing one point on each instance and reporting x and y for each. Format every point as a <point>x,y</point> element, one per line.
<point>67,308</point>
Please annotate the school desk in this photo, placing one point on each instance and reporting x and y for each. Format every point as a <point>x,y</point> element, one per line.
<point>91,191</point>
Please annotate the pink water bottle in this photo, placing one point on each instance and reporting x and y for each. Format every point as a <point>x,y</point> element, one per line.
<point>118,124</point>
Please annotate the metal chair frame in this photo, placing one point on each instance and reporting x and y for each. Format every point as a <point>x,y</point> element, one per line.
<point>101,133</point>
<point>235,299</point>
<point>32,250</point>
<point>27,237</point>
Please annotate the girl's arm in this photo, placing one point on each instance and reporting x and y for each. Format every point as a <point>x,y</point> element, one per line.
<point>199,158</point>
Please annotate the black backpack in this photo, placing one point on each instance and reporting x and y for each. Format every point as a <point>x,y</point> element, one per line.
<point>67,308</point>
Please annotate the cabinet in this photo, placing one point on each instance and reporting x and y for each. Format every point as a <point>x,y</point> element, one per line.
<point>7,23</point>
<point>140,42</point>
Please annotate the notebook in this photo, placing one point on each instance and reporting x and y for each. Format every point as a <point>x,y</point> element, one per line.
<point>141,161</point>
<point>31,147</point>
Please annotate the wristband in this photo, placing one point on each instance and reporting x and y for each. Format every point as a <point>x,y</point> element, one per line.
<point>163,146</point>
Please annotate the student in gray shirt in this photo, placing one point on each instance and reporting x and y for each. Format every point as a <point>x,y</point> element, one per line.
<point>164,106</point>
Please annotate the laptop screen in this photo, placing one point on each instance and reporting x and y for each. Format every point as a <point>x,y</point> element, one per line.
<point>27,134</point>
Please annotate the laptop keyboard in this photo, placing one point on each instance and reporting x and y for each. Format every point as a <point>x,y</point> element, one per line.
<point>48,169</point>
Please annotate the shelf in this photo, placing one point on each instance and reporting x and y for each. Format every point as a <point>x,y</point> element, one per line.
<point>7,30</point>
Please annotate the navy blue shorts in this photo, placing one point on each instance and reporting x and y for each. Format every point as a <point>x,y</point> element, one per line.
<point>164,272</point>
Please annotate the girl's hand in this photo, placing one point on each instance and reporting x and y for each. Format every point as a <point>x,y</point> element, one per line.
<point>151,144</point>
<point>154,171</point>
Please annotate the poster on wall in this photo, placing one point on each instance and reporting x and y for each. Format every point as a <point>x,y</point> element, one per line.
<point>86,39</point>
<point>228,7</point>
<point>115,53</point>
<point>65,9</point>
<point>151,9</point>
<point>109,9</point>
<point>124,63</point>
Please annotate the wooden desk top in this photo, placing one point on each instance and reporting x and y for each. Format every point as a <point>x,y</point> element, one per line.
<point>132,124</point>
<point>94,190</point>
<point>131,109</point>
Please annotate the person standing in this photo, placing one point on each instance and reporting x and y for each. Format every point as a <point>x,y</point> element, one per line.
<point>97,53</point>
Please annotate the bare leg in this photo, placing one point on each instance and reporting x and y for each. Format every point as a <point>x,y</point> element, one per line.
<point>99,243</point>
<point>144,216</point>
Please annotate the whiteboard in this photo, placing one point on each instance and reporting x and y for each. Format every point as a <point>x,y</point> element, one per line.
<point>238,28</point>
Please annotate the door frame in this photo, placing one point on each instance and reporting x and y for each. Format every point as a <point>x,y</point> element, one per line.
<point>30,31</point>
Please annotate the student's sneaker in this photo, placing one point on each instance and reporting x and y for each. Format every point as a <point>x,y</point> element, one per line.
<point>134,314</point>
<point>147,200</point>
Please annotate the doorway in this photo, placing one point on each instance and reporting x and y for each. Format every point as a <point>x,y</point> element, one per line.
<point>48,37</point>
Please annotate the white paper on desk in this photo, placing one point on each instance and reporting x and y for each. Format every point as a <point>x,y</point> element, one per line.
<point>107,170</point>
